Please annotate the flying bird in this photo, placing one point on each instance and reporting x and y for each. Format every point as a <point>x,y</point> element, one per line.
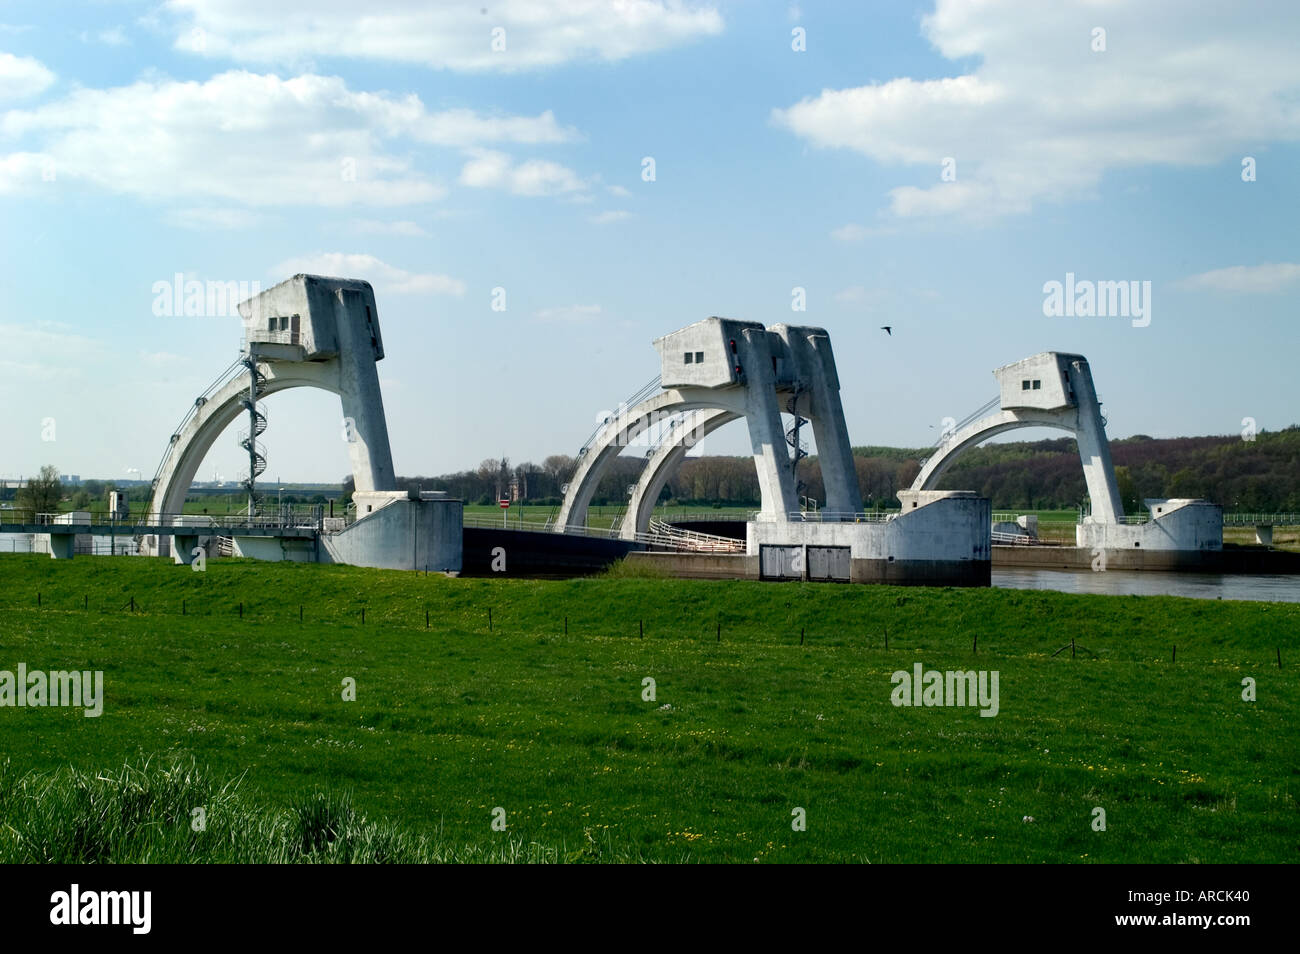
<point>888,329</point>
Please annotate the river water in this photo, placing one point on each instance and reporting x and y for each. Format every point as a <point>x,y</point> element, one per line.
<point>1205,586</point>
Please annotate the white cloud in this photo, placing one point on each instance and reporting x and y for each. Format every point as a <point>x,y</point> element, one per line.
<point>203,219</point>
<point>852,294</point>
<point>403,228</point>
<point>22,76</point>
<point>1043,117</point>
<point>610,216</point>
<point>464,127</point>
<point>535,177</point>
<point>1246,278</point>
<point>569,313</point>
<point>850,232</point>
<point>457,36</point>
<point>111,37</point>
<point>619,191</point>
<point>386,278</point>
<point>251,139</point>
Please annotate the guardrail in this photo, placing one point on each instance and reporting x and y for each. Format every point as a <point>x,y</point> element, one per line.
<point>675,539</point>
<point>981,411</point>
<point>296,519</point>
<point>193,409</point>
<point>1262,519</point>
<point>669,515</point>
<point>641,394</point>
<point>827,516</point>
<point>1133,519</point>
<point>692,540</point>
<point>1014,539</point>
<point>270,337</point>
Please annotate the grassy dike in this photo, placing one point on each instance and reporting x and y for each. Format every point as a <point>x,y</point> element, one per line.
<point>245,718</point>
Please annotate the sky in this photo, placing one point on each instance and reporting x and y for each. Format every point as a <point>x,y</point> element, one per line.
<point>620,170</point>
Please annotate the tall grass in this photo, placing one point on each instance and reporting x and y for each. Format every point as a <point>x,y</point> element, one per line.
<point>146,813</point>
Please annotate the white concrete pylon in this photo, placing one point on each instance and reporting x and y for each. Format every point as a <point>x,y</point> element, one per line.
<point>308,331</point>
<point>1049,389</point>
<point>721,370</point>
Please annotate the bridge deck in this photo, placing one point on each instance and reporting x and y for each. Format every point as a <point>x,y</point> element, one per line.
<point>137,529</point>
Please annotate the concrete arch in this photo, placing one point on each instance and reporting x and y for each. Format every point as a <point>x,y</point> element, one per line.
<point>977,432</point>
<point>308,331</point>
<point>192,444</point>
<point>619,433</point>
<point>1068,402</point>
<point>662,464</point>
<point>730,369</point>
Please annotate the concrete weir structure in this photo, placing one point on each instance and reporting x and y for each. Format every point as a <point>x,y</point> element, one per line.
<point>713,372</point>
<point>1056,390</point>
<point>939,538</point>
<point>319,332</point>
<point>720,370</point>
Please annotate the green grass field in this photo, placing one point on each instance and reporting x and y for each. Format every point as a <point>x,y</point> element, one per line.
<point>451,722</point>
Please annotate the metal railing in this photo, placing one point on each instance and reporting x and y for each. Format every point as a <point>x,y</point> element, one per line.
<point>236,367</point>
<point>647,389</point>
<point>1014,539</point>
<point>947,435</point>
<point>673,538</point>
<point>665,534</point>
<point>1133,519</point>
<point>270,337</point>
<point>1262,519</point>
<point>289,518</point>
<point>670,515</point>
<point>828,516</point>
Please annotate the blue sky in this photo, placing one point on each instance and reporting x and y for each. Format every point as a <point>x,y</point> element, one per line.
<point>211,138</point>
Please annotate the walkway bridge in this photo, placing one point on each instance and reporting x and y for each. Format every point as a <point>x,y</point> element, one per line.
<point>186,529</point>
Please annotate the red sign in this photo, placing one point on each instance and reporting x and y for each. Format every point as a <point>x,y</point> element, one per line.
<point>505,504</point>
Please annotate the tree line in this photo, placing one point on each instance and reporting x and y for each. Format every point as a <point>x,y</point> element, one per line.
<point>1259,475</point>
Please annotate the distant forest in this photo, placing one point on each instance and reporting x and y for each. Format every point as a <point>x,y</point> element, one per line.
<point>1262,475</point>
